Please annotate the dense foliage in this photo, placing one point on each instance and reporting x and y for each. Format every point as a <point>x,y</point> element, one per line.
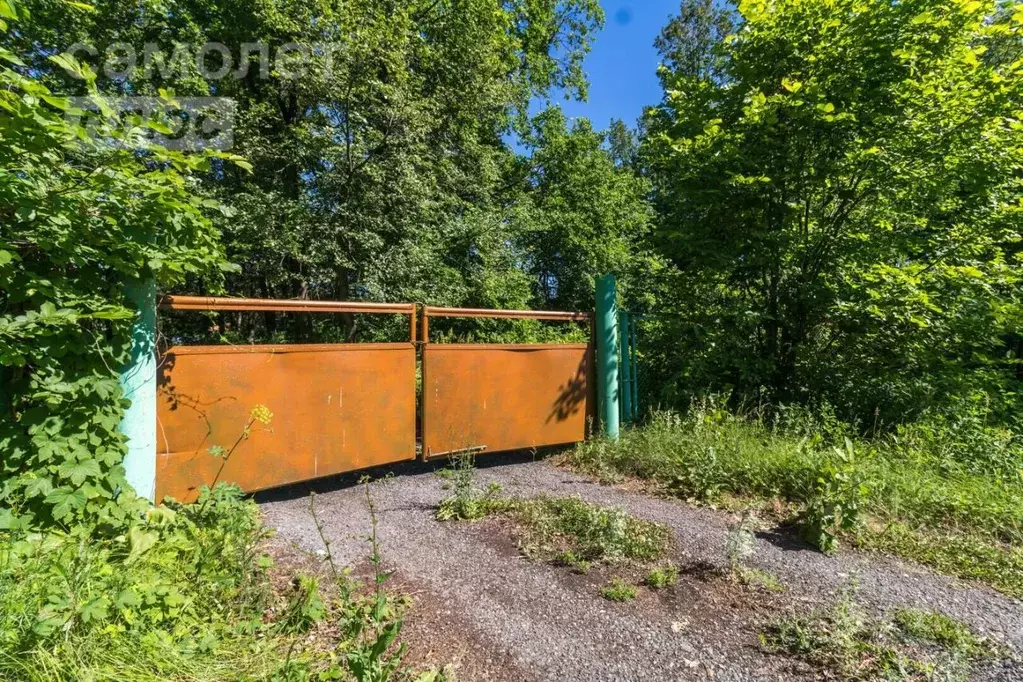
<point>824,210</point>
<point>383,170</point>
<point>87,207</point>
<point>839,186</point>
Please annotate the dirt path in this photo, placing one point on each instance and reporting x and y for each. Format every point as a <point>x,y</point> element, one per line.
<point>500,617</point>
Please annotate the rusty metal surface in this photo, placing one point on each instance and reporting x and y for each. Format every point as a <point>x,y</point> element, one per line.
<point>337,408</point>
<point>550,315</point>
<point>282,305</point>
<point>433,311</point>
<point>505,397</point>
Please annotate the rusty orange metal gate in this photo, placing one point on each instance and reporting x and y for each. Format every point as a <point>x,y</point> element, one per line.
<point>494,397</point>
<point>345,407</point>
<point>339,407</point>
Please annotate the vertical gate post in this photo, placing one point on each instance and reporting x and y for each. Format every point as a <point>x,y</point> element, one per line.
<point>634,353</point>
<point>138,382</point>
<point>625,330</point>
<point>607,354</point>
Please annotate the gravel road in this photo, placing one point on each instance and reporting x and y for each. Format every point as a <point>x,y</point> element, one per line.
<point>500,617</point>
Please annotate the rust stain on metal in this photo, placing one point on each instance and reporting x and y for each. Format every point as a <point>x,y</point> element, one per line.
<point>505,397</point>
<point>207,392</point>
<point>282,305</point>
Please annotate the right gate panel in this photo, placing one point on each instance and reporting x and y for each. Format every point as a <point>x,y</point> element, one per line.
<point>505,397</point>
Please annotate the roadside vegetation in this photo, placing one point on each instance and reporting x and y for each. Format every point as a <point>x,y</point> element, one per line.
<point>950,499</point>
<point>844,642</point>
<point>189,592</point>
<point>564,531</point>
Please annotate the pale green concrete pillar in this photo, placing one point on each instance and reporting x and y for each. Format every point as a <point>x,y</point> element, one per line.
<point>625,333</point>
<point>607,354</point>
<point>634,374</point>
<point>138,381</point>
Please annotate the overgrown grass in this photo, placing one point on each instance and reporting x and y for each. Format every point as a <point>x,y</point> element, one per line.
<point>569,530</point>
<point>185,595</point>
<point>967,525</point>
<point>847,644</point>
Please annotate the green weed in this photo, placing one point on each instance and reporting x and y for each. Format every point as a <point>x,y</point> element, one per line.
<point>467,502</point>
<point>662,577</point>
<point>847,644</point>
<point>556,528</point>
<point>618,590</point>
<point>740,546</point>
<point>929,626</point>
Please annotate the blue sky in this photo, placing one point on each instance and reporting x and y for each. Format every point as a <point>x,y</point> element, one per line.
<point>622,67</point>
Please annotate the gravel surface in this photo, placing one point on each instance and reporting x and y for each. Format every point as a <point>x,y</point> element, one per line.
<point>500,617</point>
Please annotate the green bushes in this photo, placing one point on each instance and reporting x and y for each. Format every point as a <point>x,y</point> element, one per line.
<point>897,483</point>
<point>187,594</point>
<point>89,205</point>
<point>178,596</point>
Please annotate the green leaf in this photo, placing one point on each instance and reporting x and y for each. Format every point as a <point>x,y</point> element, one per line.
<point>38,487</point>
<point>77,472</point>
<point>791,85</point>
<point>9,56</point>
<point>65,502</point>
<point>96,609</point>
<point>140,542</point>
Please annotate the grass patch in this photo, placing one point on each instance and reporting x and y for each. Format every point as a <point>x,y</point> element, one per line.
<point>845,643</point>
<point>568,530</point>
<point>565,531</point>
<point>618,590</point>
<point>963,554</point>
<point>662,577</point>
<point>962,524</point>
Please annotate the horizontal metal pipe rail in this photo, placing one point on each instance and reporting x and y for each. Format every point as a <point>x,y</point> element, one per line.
<point>288,306</point>
<point>555,315</point>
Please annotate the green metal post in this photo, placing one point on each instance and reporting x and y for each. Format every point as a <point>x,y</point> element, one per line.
<point>138,381</point>
<point>607,354</point>
<point>626,373</point>
<point>634,373</point>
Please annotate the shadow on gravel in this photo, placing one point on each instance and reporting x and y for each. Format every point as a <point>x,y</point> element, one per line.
<point>786,540</point>
<point>351,479</point>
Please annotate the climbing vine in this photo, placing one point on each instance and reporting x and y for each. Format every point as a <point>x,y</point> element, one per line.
<point>87,204</point>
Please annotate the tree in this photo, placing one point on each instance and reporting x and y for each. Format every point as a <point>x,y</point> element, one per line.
<point>840,191</point>
<point>375,168</point>
<point>582,214</point>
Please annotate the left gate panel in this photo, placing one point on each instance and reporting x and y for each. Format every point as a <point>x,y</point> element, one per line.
<point>336,408</point>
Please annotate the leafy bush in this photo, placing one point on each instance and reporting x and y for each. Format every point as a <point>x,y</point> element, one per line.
<point>89,207</point>
<point>835,503</point>
<point>178,595</point>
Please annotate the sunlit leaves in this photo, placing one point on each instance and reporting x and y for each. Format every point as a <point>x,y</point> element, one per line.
<point>888,233</point>
<point>85,208</point>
